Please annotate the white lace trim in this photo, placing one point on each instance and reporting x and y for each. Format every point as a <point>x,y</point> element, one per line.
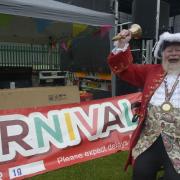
<point>159,95</point>
<point>117,50</point>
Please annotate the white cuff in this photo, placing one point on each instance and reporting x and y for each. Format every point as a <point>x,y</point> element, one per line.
<point>117,50</point>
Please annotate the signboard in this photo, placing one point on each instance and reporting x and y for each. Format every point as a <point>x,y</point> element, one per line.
<point>38,140</point>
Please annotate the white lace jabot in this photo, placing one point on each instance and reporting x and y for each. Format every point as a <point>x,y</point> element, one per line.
<point>159,95</point>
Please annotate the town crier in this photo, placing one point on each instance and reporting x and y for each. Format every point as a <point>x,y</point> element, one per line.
<point>155,143</point>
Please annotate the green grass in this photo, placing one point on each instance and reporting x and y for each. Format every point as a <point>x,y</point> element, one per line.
<point>105,168</point>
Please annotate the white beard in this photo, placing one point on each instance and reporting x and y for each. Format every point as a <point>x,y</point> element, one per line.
<point>171,68</point>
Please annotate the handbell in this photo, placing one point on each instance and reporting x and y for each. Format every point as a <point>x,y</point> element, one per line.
<point>135,30</point>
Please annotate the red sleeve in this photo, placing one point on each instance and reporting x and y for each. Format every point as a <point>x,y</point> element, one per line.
<point>122,65</point>
<point>120,61</point>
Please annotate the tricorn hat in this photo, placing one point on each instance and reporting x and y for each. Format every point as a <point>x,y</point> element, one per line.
<point>165,40</point>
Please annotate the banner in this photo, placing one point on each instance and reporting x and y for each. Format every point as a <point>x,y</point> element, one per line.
<point>37,140</point>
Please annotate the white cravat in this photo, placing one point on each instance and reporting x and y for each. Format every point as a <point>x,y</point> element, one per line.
<point>159,95</point>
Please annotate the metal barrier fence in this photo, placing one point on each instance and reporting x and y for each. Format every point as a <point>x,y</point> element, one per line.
<point>39,57</point>
<point>137,51</point>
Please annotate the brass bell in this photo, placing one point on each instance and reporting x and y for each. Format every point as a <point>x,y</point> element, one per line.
<point>135,30</point>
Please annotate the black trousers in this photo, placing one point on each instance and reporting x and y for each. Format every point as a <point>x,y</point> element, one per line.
<point>149,163</point>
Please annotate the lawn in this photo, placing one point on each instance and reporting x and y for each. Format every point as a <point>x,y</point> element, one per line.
<point>106,168</point>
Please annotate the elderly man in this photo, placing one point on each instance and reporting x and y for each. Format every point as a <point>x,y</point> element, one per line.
<point>156,141</point>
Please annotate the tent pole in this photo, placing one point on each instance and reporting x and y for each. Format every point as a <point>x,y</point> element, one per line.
<point>157,23</point>
<point>116,13</point>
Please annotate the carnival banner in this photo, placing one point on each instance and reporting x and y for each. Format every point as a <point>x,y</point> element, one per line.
<point>37,140</point>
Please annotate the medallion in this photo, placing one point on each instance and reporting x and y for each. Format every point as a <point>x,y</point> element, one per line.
<point>166,107</point>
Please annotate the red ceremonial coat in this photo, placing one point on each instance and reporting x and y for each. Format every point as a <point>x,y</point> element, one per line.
<point>148,77</point>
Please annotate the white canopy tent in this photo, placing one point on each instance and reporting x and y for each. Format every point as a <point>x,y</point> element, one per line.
<point>54,10</point>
